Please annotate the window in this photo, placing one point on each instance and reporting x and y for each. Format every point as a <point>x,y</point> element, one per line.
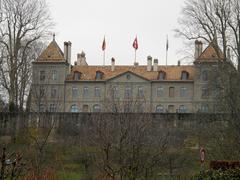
<point>41,91</point>
<point>85,91</point>
<point>115,92</point>
<point>128,76</point>
<point>162,75</point>
<point>41,108</point>
<point>53,92</point>
<point>140,92</point>
<point>204,75</point>
<point>52,108</point>
<point>85,108</point>
<point>204,108</point>
<point>171,108</point>
<point>171,92</point>
<point>74,108</point>
<point>159,109</point>
<point>185,75</point>
<point>182,109</point>
<point>96,108</point>
<point>128,92</point>
<point>205,92</point>
<point>99,75</point>
<point>127,108</point>
<point>183,92</point>
<point>54,75</point>
<point>114,108</point>
<point>77,76</point>
<point>97,92</point>
<point>140,107</point>
<point>42,75</point>
<point>74,92</point>
<point>160,92</point>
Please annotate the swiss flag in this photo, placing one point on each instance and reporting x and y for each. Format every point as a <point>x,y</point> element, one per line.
<point>135,44</point>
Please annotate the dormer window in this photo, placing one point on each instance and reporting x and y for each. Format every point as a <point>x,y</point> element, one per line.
<point>185,75</point>
<point>99,75</point>
<point>162,75</point>
<point>77,75</point>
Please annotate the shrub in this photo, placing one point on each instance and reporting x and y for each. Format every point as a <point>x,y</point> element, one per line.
<point>223,165</point>
<point>228,174</point>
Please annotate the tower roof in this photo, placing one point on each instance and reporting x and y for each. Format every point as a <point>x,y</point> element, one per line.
<point>211,54</point>
<point>52,53</point>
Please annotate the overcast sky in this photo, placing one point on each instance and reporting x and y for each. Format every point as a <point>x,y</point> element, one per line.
<point>85,22</point>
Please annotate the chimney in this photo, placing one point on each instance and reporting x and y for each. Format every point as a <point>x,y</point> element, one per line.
<point>66,51</point>
<point>198,49</point>
<point>155,65</point>
<point>136,64</point>
<point>149,63</point>
<point>69,53</point>
<point>81,59</point>
<point>179,63</point>
<point>112,64</point>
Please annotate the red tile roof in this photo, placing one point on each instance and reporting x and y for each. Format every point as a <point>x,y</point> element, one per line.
<point>172,72</point>
<point>52,53</point>
<point>210,54</point>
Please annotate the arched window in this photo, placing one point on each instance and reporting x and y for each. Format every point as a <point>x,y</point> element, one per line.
<point>182,109</point>
<point>162,75</point>
<point>185,75</point>
<point>204,75</point>
<point>77,75</point>
<point>74,108</point>
<point>99,75</point>
<point>159,109</point>
<point>96,108</point>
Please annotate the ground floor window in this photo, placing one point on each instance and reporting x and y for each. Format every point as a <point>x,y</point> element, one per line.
<point>96,108</point>
<point>204,108</point>
<point>182,109</point>
<point>85,108</point>
<point>74,108</point>
<point>159,109</point>
<point>41,108</point>
<point>52,108</point>
<point>171,108</point>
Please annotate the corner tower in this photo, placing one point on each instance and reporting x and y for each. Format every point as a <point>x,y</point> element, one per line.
<point>48,78</point>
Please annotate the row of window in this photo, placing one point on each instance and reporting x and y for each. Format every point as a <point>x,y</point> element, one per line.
<point>99,75</point>
<point>75,108</point>
<point>128,92</point>
<point>114,92</point>
<point>171,109</point>
<point>97,108</point>
<point>54,75</point>
<point>159,108</point>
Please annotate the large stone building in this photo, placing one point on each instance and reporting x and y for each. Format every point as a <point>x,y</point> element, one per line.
<point>59,86</point>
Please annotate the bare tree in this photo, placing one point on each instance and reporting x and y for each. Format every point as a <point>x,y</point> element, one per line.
<point>214,21</point>
<point>23,23</point>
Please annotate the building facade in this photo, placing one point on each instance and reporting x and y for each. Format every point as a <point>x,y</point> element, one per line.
<point>61,87</point>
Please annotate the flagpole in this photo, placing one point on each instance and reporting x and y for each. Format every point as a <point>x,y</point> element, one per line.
<point>135,56</point>
<point>104,58</point>
<point>166,57</point>
<point>166,50</point>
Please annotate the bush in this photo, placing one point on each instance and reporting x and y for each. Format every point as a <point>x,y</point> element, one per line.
<point>223,165</point>
<point>229,174</point>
